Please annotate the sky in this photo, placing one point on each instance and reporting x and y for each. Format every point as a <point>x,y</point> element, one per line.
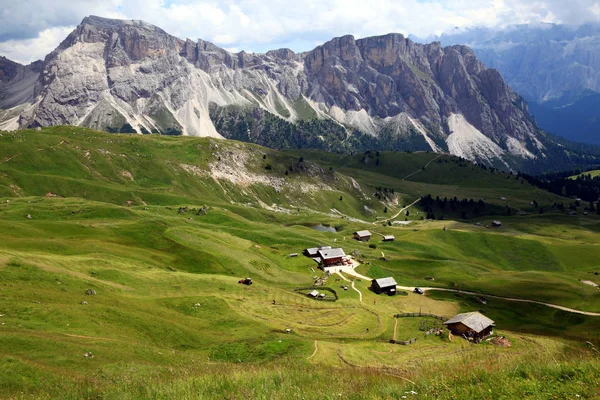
<point>30,29</point>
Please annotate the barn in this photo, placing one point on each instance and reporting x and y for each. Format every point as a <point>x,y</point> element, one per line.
<point>471,325</point>
<point>389,238</point>
<point>363,236</point>
<point>384,285</point>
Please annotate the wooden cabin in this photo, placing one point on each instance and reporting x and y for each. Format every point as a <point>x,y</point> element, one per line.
<point>331,256</point>
<point>384,285</point>
<point>314,251</point>
<point>471,325</point>
<point>363,236</point>
<point>389,238</point>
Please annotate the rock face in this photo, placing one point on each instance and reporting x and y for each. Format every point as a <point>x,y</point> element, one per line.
<point>18,85</point>
<point>542,62</point>
<point>386,91</point>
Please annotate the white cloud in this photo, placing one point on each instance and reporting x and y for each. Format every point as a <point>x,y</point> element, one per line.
<point>27,50</point>
<point>258,25</point>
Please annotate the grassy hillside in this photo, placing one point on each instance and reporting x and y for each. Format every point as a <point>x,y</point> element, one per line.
<point>163,228</point>
<point>593,173</point>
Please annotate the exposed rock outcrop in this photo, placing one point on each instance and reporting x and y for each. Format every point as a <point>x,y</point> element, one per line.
<point>130,76</point>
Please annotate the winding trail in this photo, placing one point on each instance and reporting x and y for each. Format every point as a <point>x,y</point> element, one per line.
<point>398,213</point>
<point>352,284</point>
<point>314,352</point>
<point>490,296</point>
<point>395,328</point>
<point>425,167</point>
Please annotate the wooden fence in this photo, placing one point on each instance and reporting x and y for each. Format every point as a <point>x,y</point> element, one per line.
<point>419,314</point>
<point>433,330</point>
<point>404,342</point>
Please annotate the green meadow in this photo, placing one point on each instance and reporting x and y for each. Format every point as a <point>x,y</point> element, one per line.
<point>162,228</point>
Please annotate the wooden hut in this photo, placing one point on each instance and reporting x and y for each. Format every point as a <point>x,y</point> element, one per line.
<point>471,325</point>
<point>363,236</point>
<point>384,285</point>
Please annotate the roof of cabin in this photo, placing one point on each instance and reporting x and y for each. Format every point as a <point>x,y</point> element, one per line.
<point>472,320</point>
<point>331,253</point>
<point>386,282</point>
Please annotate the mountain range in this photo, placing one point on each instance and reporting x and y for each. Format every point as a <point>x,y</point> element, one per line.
<point>556,68</point>
<point>384,92</point>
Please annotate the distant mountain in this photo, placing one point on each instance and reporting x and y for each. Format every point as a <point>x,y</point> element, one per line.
<point>556,68</point>
<point>578,120</point>
<point>18,83</point>
<point>541,62</point>
<point>383,92</point>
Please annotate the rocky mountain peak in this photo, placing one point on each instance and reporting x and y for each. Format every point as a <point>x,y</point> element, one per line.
<point>8,69</point>
<point>132,76</point>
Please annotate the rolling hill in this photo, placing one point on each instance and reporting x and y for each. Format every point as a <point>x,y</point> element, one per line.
<point>158,230</point>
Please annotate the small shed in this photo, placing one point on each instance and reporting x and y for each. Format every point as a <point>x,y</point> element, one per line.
<point>384,285</point>
<point>496,224</point>
<point>363,236</point>
<point>313,294</point>
<point>471,325</point>
<point>331,256</point>
<point>313,251</point>
<point>389,238</point>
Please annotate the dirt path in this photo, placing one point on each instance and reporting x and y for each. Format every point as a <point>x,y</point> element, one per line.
<point>395,328</point>
<point>571,310</point>
<point>425,289</point>
<point>425,167</point>
<point>359,293</point>
<point>356,274</point>
<point>353,287</point>
<point>398,213</point>
<point>314,352</point>
<point>87,337</point>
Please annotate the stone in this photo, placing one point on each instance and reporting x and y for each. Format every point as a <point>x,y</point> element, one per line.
<point>90,292</point>
<point>84,303</point>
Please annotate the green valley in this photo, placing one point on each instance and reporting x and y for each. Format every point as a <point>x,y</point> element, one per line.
<point>120,257</point>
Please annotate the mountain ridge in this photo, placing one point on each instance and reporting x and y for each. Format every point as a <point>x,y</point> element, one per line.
<point>131,76</point>
<point>542,62</point>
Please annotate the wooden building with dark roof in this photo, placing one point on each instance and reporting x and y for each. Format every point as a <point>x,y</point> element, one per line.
<point>384,285</point>
<point>363,236</point>
<point>471,325</point>
<point>331,256</point>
